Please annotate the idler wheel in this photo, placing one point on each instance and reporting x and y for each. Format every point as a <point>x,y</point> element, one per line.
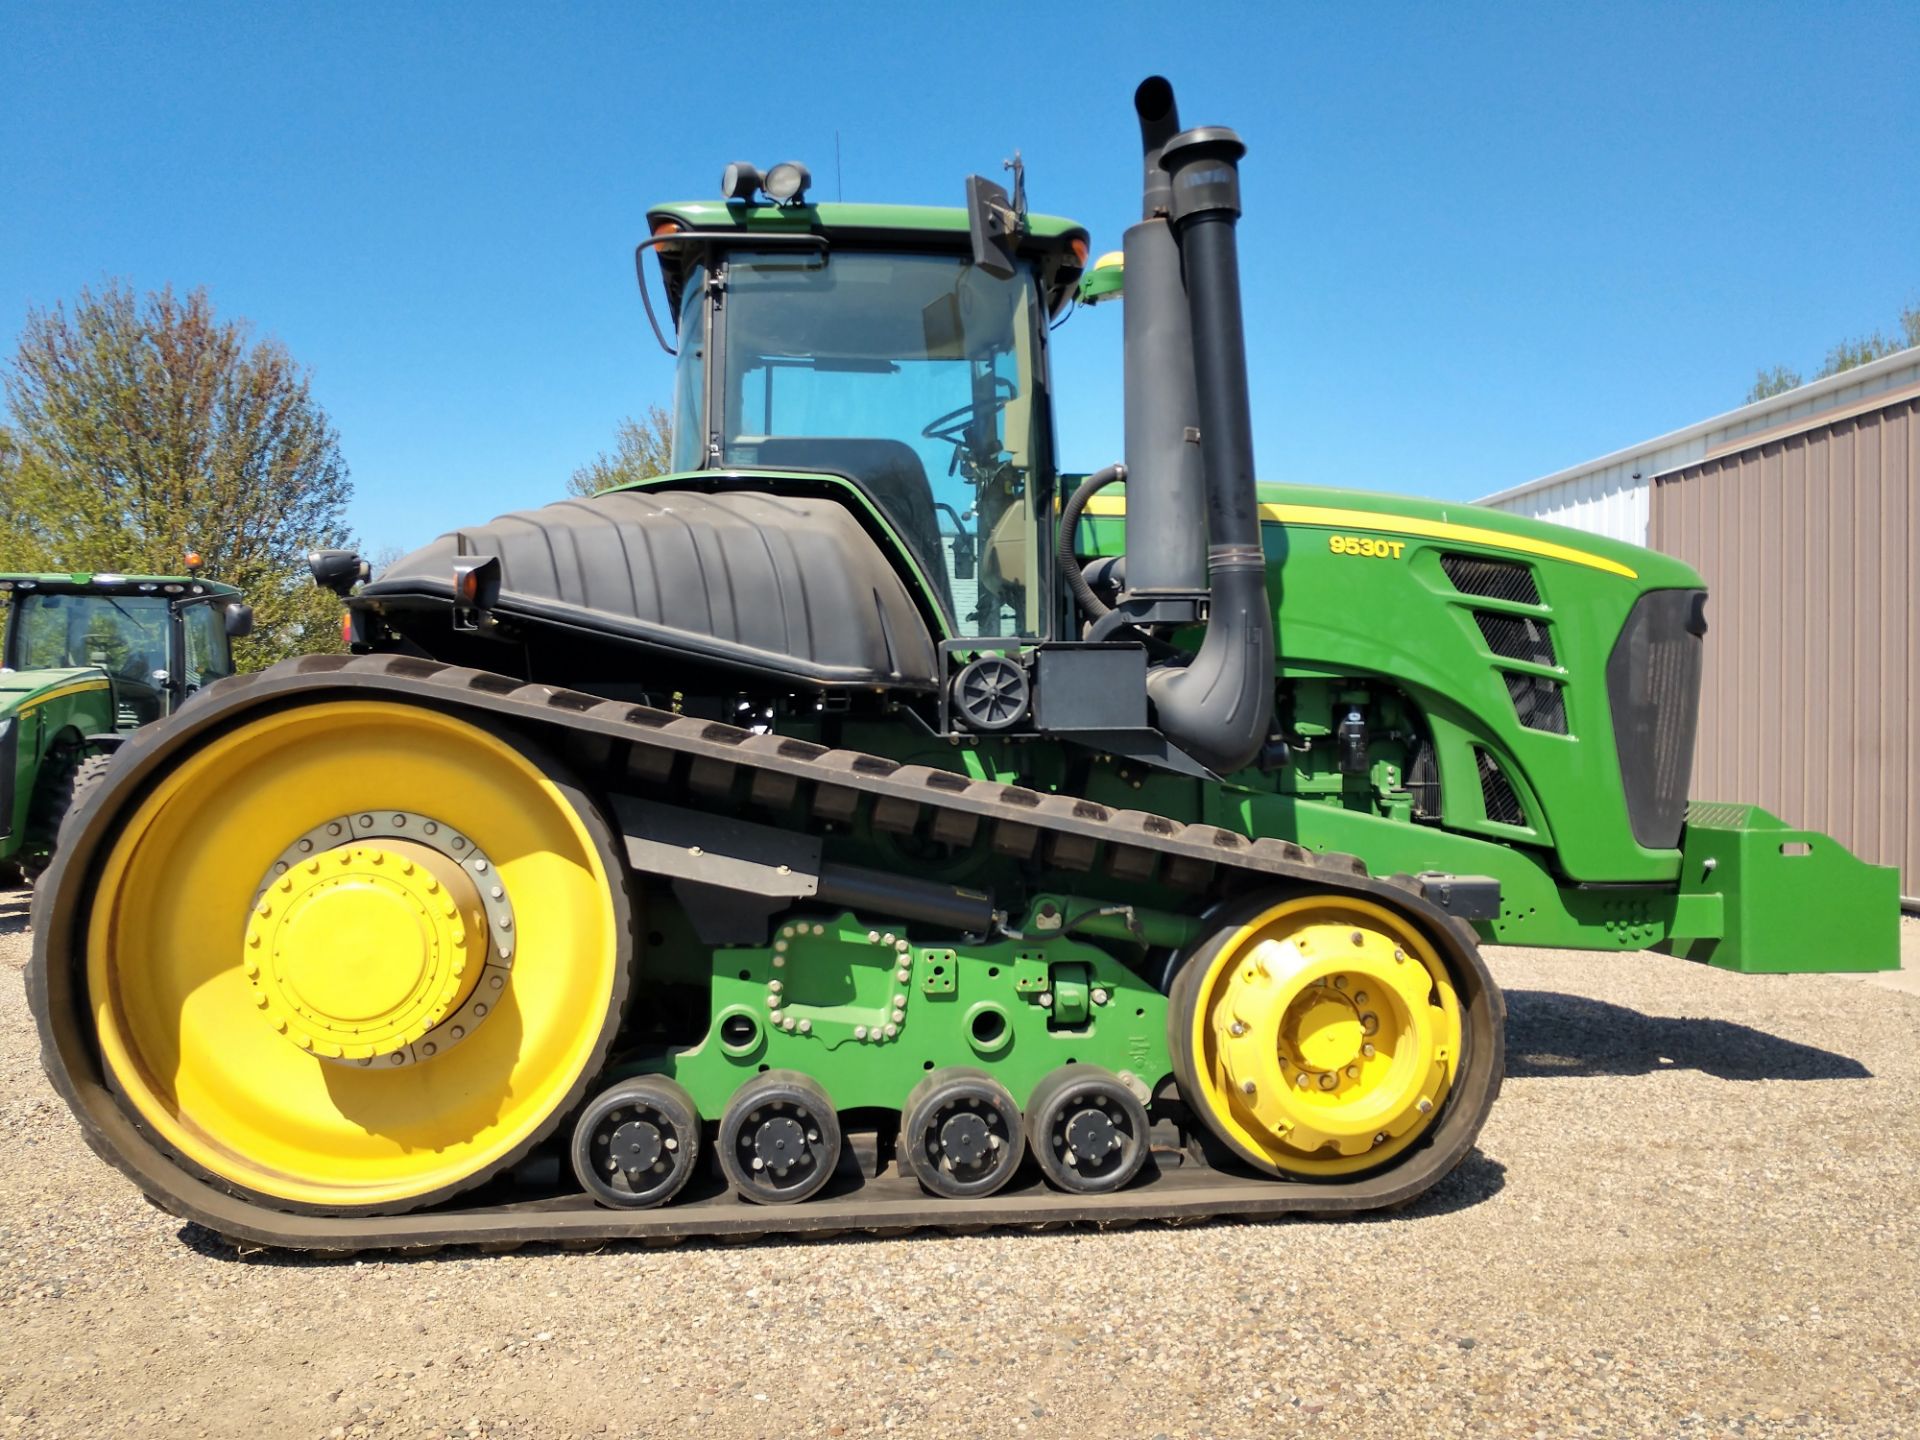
<point>960,1133</point>
<point>638,1143</point>
<point>780,1138</point>
<point>1087,1129</point>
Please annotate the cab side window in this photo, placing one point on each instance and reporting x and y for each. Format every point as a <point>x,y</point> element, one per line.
<point>207,656</point>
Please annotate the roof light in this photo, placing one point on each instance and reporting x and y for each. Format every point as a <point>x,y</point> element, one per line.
<point>787,182</point>
<point>193,559</point>
<point>739,181</point>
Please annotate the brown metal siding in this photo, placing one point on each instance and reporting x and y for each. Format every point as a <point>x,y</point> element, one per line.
<point>1810,699</point>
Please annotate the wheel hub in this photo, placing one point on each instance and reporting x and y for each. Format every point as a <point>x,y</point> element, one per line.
<point>637,1145</point>
<point>965,1139</point>
<point>780,1143</point>
<point>1091,1134</point>
<point>379,938</point>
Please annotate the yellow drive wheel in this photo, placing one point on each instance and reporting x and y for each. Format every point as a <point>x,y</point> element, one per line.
<point>356,955</point>
<point>1316,1037</point>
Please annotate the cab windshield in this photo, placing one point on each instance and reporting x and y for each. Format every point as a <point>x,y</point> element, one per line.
<point>915,376</point>
<point>123,634</point>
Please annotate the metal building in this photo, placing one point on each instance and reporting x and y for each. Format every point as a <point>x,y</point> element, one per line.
<point>1803,514</point>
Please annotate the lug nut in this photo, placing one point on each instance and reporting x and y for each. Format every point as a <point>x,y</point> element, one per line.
<point>1425,1107</point>
<point>1237,1028</point>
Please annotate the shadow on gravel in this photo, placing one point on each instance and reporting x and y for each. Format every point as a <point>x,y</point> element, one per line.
<point>1553,1034</point>
<point>14,910</point>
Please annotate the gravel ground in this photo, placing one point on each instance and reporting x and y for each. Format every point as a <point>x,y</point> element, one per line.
<point>1695,1211</point>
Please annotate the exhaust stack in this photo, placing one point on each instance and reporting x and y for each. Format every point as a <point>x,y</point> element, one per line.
<point>1219,706</point>
<point>1166,574</point>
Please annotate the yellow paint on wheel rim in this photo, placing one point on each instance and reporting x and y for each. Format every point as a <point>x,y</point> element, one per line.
<point>201,1060</point>
<point>1325,1035</point>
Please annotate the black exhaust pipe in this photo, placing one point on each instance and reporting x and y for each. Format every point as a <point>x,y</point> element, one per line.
<point>1219,706</point>
<point>1166,506</point>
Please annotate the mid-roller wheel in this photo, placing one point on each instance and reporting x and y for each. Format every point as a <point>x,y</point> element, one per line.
<point>1087,1129</point>
<point>960,1133</point>
<point>779,1138</point>
<point>636,1145</point>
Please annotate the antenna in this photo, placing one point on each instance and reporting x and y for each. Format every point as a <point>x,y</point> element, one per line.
<point>838,192</point>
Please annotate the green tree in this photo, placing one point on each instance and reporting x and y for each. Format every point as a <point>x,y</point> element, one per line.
<point>1844,356</point>
<point>1776,381</point>
<point>641,448</point>
<point>142,428</point>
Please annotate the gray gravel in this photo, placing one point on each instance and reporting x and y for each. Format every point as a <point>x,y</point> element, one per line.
<point>1695,1211</point>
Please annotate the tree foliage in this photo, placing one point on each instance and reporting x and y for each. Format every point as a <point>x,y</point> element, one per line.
<point>1862,350</point>
<point>142,428</point>
<point>642,448</point>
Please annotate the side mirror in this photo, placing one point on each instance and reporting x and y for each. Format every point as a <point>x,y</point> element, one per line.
<point>239,621</point>
<point>993,226</point>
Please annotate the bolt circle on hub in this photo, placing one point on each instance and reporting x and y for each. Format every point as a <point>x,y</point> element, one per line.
<point>1087,1129</point>
<point>637,1144</point>
<point>381,937</point>
<point>779,1138</point>
<point>960,1133</point>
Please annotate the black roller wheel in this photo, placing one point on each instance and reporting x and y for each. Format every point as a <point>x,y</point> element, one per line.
<point>780,1138</point>
<point>960,1133</point>
<point>636,1145</point>
<point>1087,1129</point>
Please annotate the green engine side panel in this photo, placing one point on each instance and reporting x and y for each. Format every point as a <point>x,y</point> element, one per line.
<point>42,711</point>
<point>1360,591</point>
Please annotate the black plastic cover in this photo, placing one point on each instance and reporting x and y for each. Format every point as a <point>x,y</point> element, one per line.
<point>1653,681</point>
<point>783,585</point>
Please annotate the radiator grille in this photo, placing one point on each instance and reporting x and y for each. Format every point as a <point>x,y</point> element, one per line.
<point>1653,682</point>
<point>1539,702</point>
<point>1496,792</point>
<point>1516,637</point>
<point>1495,579</point>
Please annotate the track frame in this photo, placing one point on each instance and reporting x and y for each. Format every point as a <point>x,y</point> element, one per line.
<point>1071,833</point>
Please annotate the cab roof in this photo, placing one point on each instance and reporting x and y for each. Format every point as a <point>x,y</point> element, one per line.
<point>105,582</point>
<point>1058,244</point>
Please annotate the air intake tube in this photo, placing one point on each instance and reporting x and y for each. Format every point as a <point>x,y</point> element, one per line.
<point>1219,706</point>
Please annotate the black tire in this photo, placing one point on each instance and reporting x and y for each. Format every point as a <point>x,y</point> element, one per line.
<point>784,1121</point>
<point>637,1144</point>
<point>69,791</point>
<point>1087,1130</point>
<point>961,1134</point>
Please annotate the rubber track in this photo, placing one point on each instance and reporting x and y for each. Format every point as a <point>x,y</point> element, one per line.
<point>710,755</point>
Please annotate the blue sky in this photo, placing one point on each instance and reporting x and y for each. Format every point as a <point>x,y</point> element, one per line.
<point>1481,242</point>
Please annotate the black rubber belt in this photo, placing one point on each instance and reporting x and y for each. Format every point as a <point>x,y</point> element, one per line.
<point>1185,1193</point>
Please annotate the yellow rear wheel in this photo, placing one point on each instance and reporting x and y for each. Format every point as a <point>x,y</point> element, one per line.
<point>1316,1037</point>
<point>316,1004</point>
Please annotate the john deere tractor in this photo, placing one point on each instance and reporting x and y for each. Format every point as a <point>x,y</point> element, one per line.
<point>868,826</point>
<point>84,660</point>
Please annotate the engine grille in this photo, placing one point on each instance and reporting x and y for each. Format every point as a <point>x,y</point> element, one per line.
<point>1495,579</point>
<point>1496,792</point>
<point>1516,637</point>
<point>1653,683</point>
<point>1539,702</point>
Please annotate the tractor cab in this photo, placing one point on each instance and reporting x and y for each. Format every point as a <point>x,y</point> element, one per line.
<point>872,345</point>
<point>155,639</point>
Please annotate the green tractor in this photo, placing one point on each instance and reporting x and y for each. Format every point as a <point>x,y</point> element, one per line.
<point>867,826</point>
<point>85,660</point>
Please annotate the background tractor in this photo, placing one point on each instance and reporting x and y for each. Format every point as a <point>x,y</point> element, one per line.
<point>84,660</point>
<point>866,815</point>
